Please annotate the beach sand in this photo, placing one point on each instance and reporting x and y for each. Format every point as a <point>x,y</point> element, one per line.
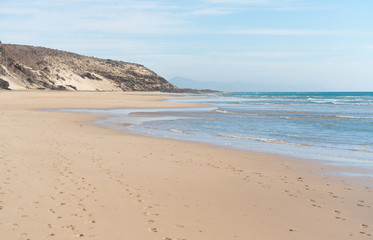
<point>61,177</point>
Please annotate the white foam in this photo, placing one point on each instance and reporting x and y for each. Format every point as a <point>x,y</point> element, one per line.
<point>221,111</point>
<point>177,131</point>
<point>237,113</point>
<point>267,140</point>
<point>352,117</point>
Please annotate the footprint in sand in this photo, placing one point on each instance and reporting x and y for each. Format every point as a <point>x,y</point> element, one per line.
<point>24,235</point>
<point>15,226</point>
<point>364,233</point>
<point>339,218</point>
<point>72,227</point>
<point>147,213</point>
<point>362,205</point>
<point>154,229</point>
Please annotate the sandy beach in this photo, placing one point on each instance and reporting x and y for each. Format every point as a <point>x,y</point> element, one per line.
<point>62,177</point>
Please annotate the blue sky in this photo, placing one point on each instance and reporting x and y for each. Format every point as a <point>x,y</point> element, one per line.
<point>295,45</point>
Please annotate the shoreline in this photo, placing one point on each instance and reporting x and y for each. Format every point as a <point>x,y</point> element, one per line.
<point>356,168</point>
<point>63,177</point>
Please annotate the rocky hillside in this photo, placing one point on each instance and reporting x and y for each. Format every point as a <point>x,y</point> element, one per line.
<point>28,67</point>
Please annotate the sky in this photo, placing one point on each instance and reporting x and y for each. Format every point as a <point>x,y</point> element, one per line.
<point>271,45</point>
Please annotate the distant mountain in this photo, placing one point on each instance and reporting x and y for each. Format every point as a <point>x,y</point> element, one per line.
<point>29,67</point>
<point>182,82</point>
<point>236,86</point>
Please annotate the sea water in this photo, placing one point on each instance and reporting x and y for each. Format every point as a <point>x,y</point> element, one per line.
<point>336,127</point>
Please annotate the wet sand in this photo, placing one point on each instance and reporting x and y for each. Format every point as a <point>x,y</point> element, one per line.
<point>62,177</point>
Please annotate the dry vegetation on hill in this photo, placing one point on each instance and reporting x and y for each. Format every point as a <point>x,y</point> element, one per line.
<point>28,67</point>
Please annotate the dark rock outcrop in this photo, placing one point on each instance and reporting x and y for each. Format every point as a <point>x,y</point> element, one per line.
<point>4,84</point>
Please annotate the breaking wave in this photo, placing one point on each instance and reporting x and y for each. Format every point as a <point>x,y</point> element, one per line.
<point>267,140</point>
<point>178,131</point>
<point>230,112</point>
<point>353,117</point>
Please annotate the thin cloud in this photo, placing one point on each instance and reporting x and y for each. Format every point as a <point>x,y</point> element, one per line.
<point>291,32</point>
<point>265,5</point>
<point>273,54</point>
<point>107,17</point>
<point>238,1</point>
<point>211,11</point>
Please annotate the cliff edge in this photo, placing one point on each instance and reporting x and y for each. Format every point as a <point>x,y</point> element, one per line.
<point>28,67</point>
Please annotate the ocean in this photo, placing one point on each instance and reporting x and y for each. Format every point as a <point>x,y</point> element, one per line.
<point>336,127</point>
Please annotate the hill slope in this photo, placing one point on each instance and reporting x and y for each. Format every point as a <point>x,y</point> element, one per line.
<point>28,67</point>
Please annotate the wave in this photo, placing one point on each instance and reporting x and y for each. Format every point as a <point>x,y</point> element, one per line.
<point>352,117</point>
<point>178,131</point>
<point>231,112</point>
<point>362,150</point>
<point>327,101</point>
<point>320,117</point>
<point>267,140</point>
<point>221,111</point>
<point>303,137</point>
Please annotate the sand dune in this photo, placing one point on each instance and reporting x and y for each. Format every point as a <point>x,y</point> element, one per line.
<point>61,177</point>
